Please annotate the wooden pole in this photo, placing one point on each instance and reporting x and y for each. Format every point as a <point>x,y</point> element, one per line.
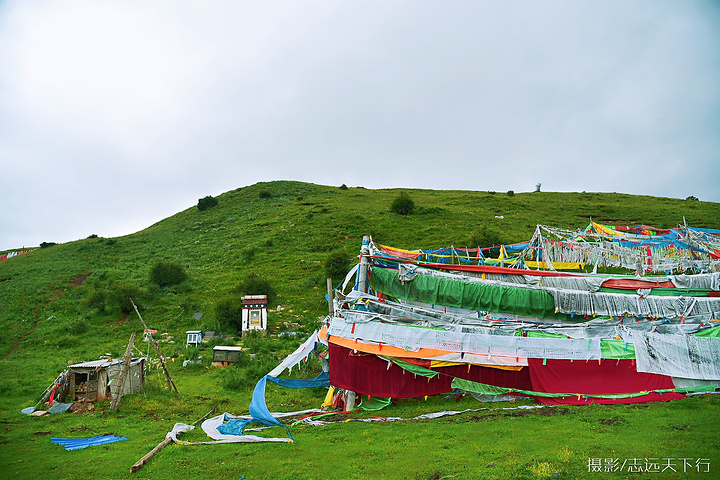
<point>139,464</point>
<point>168,378</point>
<point>46,393</point>
<point>124,372</point>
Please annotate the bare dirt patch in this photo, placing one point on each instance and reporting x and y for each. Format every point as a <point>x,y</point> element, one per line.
<point>78,280</point>
<point>612,421</point>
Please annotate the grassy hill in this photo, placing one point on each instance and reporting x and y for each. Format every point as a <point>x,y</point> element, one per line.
<point>60,304</point>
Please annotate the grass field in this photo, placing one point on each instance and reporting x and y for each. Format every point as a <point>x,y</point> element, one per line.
<point>51,315</point>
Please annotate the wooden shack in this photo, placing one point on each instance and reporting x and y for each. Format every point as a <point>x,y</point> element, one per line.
<point>223,355</point>
<point>99,379</point>
<point>254,313</point>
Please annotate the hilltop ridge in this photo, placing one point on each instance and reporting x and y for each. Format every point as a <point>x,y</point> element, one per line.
<point>282,231</point>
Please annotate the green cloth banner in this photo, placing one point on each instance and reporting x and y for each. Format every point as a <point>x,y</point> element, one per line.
<point>532,333</point>
<point>470,295</point>
<point>411,367</point>
<point>710,332</point>
<point>374,404</point>
<point>617,349</point>
<point>474,387</point>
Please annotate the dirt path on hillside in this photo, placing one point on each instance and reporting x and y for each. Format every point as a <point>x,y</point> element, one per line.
<point>16,343</point>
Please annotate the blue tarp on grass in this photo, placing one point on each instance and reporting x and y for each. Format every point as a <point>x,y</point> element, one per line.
<point>78,443</point>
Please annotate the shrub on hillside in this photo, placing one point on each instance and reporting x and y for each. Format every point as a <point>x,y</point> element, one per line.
<point>98,299</point>
<point>165,273</point>
<point>207,202</point>
<point>248,255</point>
<point>403,204</point>
<point>337,265</point>
<point>486,237</point>
<point>78,327</point>
<point>265,194</point>
<point>47,244</point>
<point>228,313</point>
<point>120,296</point>
<point>254,284</point>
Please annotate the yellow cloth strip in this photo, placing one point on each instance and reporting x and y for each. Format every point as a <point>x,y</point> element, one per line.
<point>557,265</point>
<point>440,363</point>
<point>605,230</point>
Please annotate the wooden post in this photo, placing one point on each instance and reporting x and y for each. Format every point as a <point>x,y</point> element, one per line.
<point>330,296</point>
<point>46,393</point>
<point>124,372</point>
<point>139,464</point>
<point>350,404</point>
<point>168,378</point>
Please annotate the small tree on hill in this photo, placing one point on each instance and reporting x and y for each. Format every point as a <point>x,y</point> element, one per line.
<point>403,204</point>
<point>121,296</point>
<point>228,313</point>
<point>207,202</point>
<point>486,237</point>
<point>165,274</point>
<point>254,284</point>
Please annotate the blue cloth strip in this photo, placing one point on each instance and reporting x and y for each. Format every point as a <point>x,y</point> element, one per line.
<point>258,408</point>
<point>78,443</point>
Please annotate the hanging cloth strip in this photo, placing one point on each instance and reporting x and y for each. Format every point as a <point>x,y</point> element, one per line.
<point>686,356</point>
<point>479,344</point>
<point>470,386</point>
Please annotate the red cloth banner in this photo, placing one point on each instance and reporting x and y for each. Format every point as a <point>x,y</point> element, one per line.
<point>368,374</point>
<point>593,377</point>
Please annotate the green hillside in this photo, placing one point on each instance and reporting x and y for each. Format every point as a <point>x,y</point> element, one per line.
<point>63,303</point>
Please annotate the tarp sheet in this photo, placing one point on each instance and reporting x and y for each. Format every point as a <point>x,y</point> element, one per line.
<point>78,443</point>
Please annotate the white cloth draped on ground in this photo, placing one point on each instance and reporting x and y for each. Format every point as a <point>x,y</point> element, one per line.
<point>211,425</point>
<point>685,356</point>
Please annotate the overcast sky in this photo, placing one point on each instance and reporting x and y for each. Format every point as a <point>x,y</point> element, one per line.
<point>117,114</point>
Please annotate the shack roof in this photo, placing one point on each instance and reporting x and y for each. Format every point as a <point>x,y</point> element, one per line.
<point>104,363</point>
<point>227,348</point>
